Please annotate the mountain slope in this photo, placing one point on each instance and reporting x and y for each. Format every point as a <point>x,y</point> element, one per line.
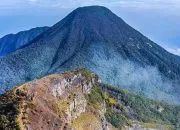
<point>76,100</point>
<point>11,42</point>
<point>95,38</point>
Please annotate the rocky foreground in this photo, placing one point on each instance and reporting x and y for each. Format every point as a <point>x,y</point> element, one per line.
<point>77,100</point>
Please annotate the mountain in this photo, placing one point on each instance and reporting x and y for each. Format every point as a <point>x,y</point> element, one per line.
<point>95,38</point>
<point>11,42</point>
<point>76,100</point>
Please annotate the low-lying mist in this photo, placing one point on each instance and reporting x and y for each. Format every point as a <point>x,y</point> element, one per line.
<point>147,81</point>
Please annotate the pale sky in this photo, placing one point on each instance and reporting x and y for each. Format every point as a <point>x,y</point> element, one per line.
<point>157,19</point>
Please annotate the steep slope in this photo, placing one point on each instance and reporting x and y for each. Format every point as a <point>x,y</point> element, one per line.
<point>76,100</point>
<point>11,42</point>
<point>95,38</point>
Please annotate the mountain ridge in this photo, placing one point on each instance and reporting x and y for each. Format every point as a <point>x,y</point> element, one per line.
<point>11,42</point>
<point>77,100</point>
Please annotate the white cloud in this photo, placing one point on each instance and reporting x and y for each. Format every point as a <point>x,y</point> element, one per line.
<point>33,0</point>
<point>108,3</point>
<point>144,4</point>
<point>175,51</point>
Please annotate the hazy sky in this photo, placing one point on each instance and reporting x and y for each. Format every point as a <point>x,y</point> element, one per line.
<point>157,19</point>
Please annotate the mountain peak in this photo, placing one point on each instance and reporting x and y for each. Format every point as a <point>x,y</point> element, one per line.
<point>97,23</point>
<point>95,8</point>
<point>95,38</point>
<point>96,11</point>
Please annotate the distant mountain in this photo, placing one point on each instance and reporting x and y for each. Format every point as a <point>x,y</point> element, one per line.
<point>11,42</point>
<point>95,38</point>
<point>75,100</point>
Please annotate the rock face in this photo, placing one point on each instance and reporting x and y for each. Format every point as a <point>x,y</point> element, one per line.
<point>12,42</point>
<point>53,102</point>
<point>75,100</point>
<point>96,39</point>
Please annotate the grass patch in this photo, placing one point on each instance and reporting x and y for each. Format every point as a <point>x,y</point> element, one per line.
<point>85,72</point>
<point>85,121</point>
<point>95,98</point>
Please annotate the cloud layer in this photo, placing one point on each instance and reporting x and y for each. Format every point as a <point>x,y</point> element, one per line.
<point>74,3</point>
<point>175,51</point>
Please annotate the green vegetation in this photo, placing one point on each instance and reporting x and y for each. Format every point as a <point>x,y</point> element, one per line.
<point>85,72</point>
<point>109,100</point>
<point>135,107</point>
<point>9,109</point>
<point>116,119</point>
<point>123,107</point>
<point>155,126</point>
<point>95,98</point>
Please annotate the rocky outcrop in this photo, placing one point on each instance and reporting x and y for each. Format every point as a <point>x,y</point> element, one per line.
<point>58,100</point>
<point>76,100</point>
<point>54,102</point>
